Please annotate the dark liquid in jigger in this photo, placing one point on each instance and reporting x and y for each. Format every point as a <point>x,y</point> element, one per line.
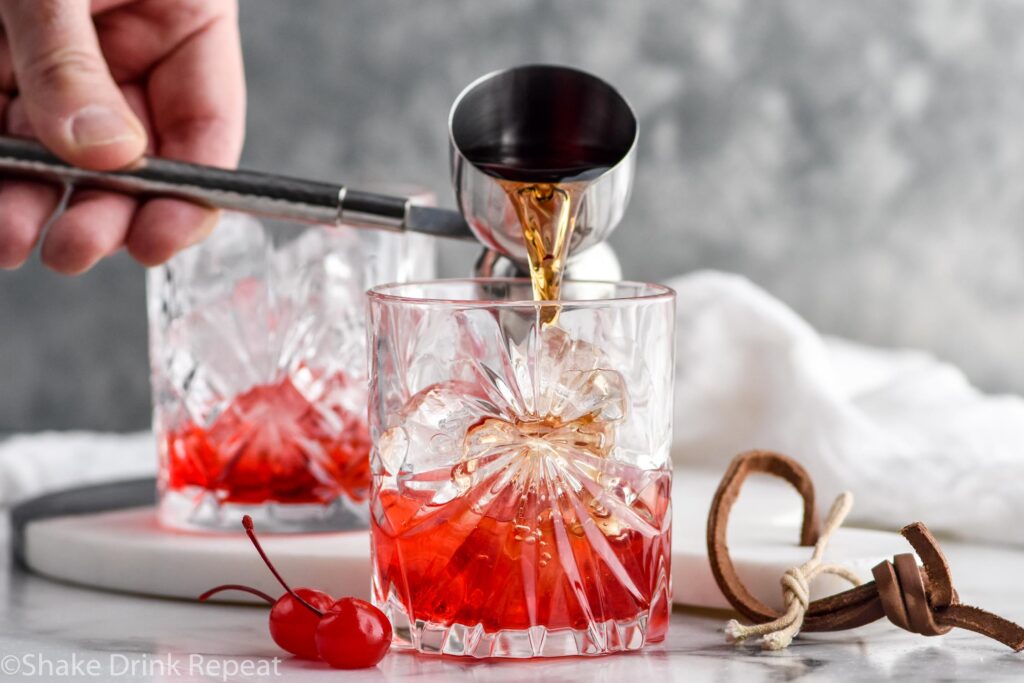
<point>544,164</point>
<point>545,185</point>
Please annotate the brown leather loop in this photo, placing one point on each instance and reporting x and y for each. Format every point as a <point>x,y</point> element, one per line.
<point>915,600</point>
<point>751,462</point>
<point>940,580</point>
<point>887,584</point>
<point>921,600</point>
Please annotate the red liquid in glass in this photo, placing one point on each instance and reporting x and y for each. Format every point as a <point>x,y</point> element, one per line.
<point>528,560</point>
<point>272,444</point>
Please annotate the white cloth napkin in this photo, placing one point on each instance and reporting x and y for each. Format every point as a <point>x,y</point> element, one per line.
<point>31,464</point>
<point>906,433</point>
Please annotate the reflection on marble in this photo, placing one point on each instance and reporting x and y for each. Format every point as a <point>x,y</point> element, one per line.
<point>53,621</point>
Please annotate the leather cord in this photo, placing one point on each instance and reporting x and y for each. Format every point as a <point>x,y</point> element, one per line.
<point>918,599</point>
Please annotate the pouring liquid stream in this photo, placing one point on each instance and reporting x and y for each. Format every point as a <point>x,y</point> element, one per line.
<point>547,213</point>
<point>546,188</point>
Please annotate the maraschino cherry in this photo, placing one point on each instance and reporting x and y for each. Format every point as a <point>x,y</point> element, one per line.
<point>353,634</point>
<point>347,633</point>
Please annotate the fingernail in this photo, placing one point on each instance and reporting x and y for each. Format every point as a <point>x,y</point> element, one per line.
<point>95,125</point>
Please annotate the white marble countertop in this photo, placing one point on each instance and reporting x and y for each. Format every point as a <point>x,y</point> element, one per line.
<point>48,624</point>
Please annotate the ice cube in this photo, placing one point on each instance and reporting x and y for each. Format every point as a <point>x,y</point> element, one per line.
<point>552,401</point>
<point>255,304</point>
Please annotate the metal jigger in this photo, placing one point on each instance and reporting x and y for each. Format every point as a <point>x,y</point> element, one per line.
<point>541,107</point>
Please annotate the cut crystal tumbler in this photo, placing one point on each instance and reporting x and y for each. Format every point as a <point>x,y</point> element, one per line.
<point>520,504</point>
<point>258,363</point>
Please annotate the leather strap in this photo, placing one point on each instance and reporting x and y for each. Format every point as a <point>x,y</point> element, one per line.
<point>918,599</point>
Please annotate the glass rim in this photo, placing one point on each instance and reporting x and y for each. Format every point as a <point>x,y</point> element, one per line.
<point>385,293</point>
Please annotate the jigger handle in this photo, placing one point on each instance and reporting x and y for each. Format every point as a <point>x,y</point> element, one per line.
<point>274,196</point>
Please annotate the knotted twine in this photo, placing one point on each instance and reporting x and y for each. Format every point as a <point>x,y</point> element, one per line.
<point>918,599</point>
<point>796,587</point>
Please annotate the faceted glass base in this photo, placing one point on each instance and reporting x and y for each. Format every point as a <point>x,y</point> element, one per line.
<point>199,510</point>
<point>461,640</point>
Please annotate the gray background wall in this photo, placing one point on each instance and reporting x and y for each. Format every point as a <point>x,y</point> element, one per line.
<point>864,161</point>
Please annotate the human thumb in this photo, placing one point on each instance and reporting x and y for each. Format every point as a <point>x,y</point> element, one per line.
<point>71,100</point>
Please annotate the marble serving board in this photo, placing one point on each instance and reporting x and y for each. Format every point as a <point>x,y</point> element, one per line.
<point>76,537</point>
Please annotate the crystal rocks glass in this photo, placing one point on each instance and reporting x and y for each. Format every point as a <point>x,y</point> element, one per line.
<point>520,504</point>
<point>258,364</point>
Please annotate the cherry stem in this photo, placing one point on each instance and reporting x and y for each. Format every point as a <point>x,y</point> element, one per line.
<point>235,587</point>
<point>251,533</point>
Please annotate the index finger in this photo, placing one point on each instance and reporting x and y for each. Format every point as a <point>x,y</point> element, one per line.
<point>197,103</point>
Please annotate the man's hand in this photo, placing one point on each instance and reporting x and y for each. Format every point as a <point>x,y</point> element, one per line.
<point>100,84</point>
